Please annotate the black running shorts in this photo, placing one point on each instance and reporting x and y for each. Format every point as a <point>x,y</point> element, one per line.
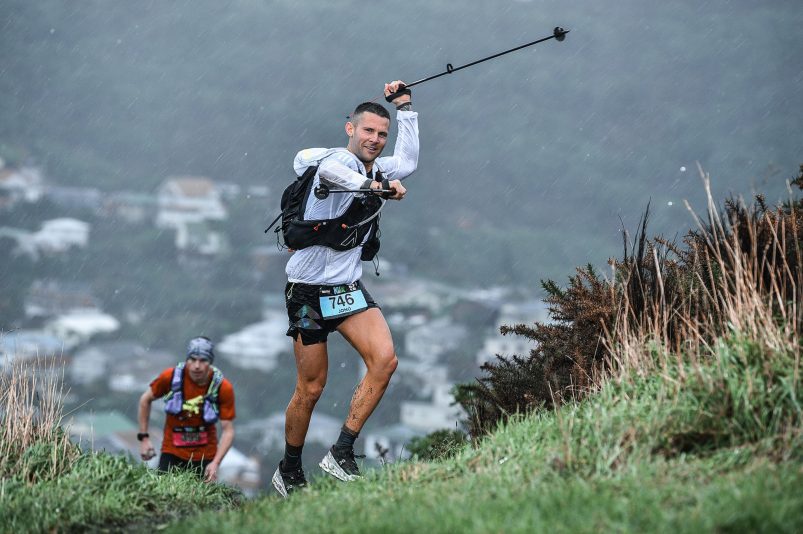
<point>304,312</point>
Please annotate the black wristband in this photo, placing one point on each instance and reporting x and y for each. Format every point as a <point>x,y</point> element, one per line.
<point>386,185</point>
<point>401,91</point>
<point>142,435</point>
<point>407,106</point>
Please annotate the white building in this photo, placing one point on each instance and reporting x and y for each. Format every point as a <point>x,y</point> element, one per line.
<point>511,314</point>
<point>80,326</point>
<point>188,199</point>
<point>430,341</point>
<point>438,414</point>
<point>259,345</point>
<point>198,237</point>
<point>23,184</point>
<point>59,235</point>
<point>421,377</point>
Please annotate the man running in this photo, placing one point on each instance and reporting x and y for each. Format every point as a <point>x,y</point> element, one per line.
<point>196,397</point>
<point>324,292</point>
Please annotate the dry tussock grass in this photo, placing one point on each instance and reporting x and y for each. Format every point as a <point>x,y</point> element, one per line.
<point>33,445</point>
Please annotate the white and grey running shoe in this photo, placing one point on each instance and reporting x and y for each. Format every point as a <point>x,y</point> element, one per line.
<point>287,483</point>
<point>341,464</point>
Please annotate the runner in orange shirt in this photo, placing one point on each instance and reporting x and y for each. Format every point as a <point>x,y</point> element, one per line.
<point>196,397</point>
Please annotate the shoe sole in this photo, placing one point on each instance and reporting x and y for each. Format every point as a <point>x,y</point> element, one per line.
<point>278,483</point>
<point>329,465</point>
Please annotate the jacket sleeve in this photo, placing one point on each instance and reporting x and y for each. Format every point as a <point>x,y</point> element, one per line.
<point>404,160</point>
<point>341,170</point>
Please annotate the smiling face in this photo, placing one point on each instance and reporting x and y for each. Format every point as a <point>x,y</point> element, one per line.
<point>368,133</point>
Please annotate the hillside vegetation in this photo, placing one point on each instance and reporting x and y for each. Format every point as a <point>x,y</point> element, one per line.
<point>673,405</point>
<point>684,414</point>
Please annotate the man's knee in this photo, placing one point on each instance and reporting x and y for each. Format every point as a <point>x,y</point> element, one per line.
<point>385,363</point>
<point>310,391</point>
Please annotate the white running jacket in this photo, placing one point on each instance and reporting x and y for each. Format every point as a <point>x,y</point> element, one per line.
<point>340,169</point>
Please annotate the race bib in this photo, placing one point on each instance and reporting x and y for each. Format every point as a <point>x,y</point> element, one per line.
<point>188,436</point>
<point>340,301</point>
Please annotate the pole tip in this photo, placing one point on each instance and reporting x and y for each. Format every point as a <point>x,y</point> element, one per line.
<point>559,33</point>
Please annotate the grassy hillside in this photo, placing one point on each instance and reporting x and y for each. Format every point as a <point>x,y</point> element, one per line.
<point>639,456</point>
<point>644,454</point>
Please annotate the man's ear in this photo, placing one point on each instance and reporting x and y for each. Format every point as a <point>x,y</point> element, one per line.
<point>349,129</point>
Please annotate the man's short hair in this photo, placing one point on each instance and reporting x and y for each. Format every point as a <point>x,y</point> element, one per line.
<point>370,107</point>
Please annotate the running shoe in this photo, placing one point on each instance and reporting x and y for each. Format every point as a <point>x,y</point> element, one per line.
<point>287,483</point>
<point>341,464</point>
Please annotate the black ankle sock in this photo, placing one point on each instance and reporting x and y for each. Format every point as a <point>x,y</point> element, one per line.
<point>292,457</point>
<point>347,438</point>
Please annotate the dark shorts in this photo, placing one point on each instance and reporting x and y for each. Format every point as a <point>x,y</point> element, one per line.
<point>169,462</point>
<point>304,312</point>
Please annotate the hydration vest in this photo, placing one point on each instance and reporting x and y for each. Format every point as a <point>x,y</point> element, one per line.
<point>348,231</point>
<point>174,400</point>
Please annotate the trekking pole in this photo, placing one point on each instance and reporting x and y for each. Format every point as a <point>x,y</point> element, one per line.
<point>322,191</point>
<point>559,34</point>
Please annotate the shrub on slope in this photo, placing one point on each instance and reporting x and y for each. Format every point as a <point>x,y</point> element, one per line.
<point>741,270</point>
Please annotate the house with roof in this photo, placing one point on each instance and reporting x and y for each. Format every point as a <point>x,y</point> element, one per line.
<point>199,238</point>
<point>59,235</point>
<point>421,377</point>
<point>188,204</point>
<point>258,346</point>
<point>428,342</point>
<point>79,326</point>
<point>20,185</point>
<point>188,199</point>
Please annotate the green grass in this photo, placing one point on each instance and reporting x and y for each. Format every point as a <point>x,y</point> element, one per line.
<point>681,451</point>
<point>708,444</point>
<point>104,492</point>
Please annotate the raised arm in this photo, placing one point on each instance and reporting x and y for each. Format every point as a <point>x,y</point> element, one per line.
<point>404,160</point>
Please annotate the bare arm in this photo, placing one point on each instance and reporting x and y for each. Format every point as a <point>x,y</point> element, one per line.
<point>223,446</point>
<point>146,450</point>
